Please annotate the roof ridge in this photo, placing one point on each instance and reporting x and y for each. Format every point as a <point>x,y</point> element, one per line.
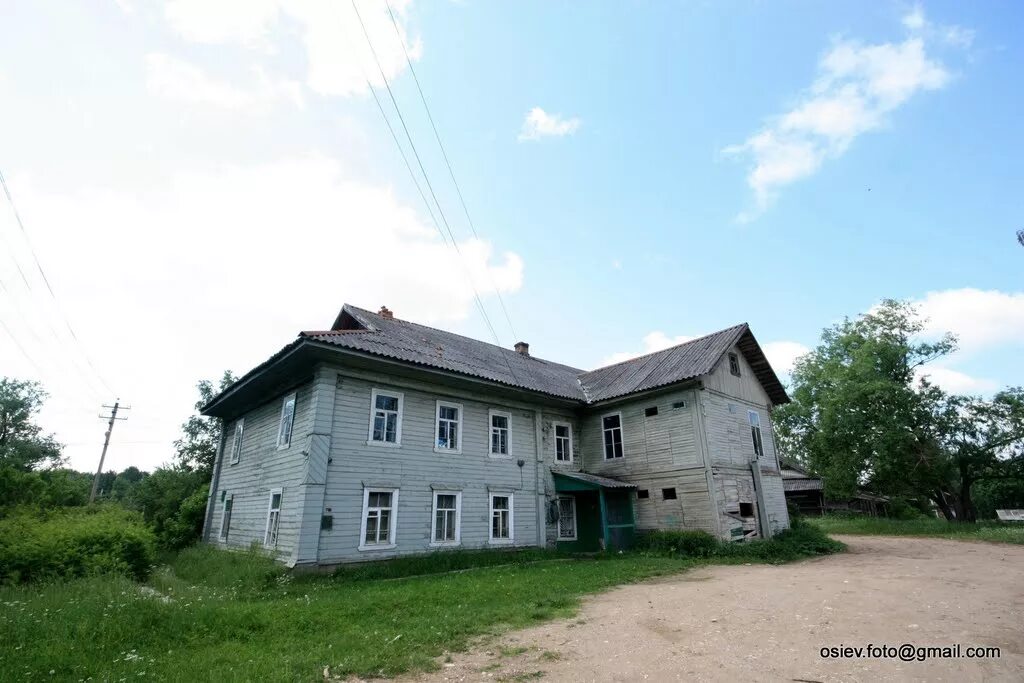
<point>675,346</point>
<point>320,333</point>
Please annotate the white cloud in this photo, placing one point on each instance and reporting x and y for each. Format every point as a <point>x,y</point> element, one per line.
<point>914,20</point>
<point>338,59</point>
<point>783,354</point>
<point>954,381</point>
<point>654,341</point>
<point>980,319</point>
<point>951,34</point>
<point>540,124</point>
<point>218,268</point>
<point>174,79</point>
<point>857,86</point>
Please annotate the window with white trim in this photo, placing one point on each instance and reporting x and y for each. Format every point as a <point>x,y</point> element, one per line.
<point>379,518</point>
<point>225,515</point>
<point>236,445</point>
<point>386,417</point>
<point>449,427</point>
<point>755,433</point>
<point>284,431</point>
<point>273,519</point>
<point>447,518</point>
<point>500,425</point>
<point>566,518</point>
<point>502,518</point>
<point>563,442</point>
<point>611,425</point>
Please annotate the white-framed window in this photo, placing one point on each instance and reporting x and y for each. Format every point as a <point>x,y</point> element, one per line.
<point>755,433</point>
<point>225,515</point>
<point>563,441</point>
<point>284,431</point>
<point>385,417</point>
<point>566,518</point>
<point>502,518</point>
<point>501,425</point>
<point>447,518</point>
<point>449,427</point>
<point>380,519</point>
<point>236,445</point>
<point>273,519</point>
<point>611,425</point>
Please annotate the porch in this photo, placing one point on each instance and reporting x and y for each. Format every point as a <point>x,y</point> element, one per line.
<point>593,513</point>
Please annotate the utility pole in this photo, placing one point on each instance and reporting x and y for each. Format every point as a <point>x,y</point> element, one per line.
<point>106,442</point>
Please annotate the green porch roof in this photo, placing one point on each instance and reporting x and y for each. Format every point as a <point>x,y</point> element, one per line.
<point>582,481</point>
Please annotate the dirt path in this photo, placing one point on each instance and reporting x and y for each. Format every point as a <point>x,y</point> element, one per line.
<point>770,622</point>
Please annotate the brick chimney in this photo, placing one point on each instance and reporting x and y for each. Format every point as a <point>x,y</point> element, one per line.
<point>386,313</point>
<point>523,348</point>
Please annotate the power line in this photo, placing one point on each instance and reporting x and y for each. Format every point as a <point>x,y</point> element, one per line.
<point>448,163</point>
<point>46,280</point>
<point>426,177</point>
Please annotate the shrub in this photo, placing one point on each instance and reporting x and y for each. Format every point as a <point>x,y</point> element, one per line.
<point>685,543</point>
<point>74,542</point>
<point>173,502</point>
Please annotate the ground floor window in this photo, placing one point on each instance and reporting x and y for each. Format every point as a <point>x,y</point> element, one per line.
<point>566,518</point>
<point>225,516</point>
<point>501,518</point>
<point>379,518</point>
<point>273,519</point>
<point>447,514</point>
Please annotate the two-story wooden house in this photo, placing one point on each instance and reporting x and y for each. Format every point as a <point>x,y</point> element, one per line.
<point>382,437</point>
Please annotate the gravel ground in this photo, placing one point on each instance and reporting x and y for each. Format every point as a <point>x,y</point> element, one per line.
<point>740,623</point>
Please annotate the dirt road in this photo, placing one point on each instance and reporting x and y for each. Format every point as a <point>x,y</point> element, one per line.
<point>770,622</point>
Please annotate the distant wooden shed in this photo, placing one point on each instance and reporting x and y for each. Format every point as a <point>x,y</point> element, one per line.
<point>803,490</point>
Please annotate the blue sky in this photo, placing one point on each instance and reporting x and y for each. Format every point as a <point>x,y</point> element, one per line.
<point>202,180</point>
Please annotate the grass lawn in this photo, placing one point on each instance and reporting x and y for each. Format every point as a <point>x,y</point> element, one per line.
<point>211,615</point>
<point>981,531</point>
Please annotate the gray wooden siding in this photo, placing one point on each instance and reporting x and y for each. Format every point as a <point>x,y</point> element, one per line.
<point>548,420</point>
<point>745,387</point>
<point>690,510</point>
<point>261,468</point>
<point>415,469</point>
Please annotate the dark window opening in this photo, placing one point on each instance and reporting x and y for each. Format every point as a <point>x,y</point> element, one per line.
<point>651,412</point>
<point>679,404</point>
<point>668,494</point>
<point>734,364</point>
<point>643,493</point>
<point>746,509</point>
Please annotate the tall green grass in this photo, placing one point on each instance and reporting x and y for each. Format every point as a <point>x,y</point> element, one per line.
<point>998,532</point>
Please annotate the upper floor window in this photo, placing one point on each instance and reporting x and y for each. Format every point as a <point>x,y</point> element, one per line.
<point>612,427</point>
<point>284,431</point>
<point>500,423</point>
<point>386,417</point>
<point>734,364</point>
<point>563,442</point>
<point>449,427</point>
<point>236,445</point>
<point>755,433</point>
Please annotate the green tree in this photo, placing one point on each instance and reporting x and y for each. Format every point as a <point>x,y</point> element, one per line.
<point>197,447</point>
<point>23,445</point>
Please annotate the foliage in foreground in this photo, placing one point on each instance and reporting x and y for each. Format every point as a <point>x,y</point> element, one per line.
<point>999,532</point>
<point>74,542</point>
<point>238,616</point>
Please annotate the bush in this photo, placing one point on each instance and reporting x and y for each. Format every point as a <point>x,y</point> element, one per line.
<point>74,542</point>
<point>173,502</point>
<point>685,543</point>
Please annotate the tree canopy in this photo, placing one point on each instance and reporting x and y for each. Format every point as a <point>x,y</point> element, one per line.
<point>23,445</point>
<point>197,447</point>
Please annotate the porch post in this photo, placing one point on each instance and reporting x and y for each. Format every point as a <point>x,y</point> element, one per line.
<point>604,519</point>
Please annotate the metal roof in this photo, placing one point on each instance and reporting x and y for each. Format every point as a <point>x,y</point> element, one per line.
<point>603,482</point>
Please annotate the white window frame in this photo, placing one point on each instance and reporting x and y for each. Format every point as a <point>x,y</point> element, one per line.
<point>392,527</point>
<point>571,499</point>
<point>554,432</point>
<point>754,418</point>
<point>373,414</point>
<point>236,444</point>
<point>281,445</point>
<point>277,520</point>
<point>511,519</point>
<point>458,426</point>
<point>458,519</point>
<point>622,437</point>
<point>491,414</point>
<point>225,516</point>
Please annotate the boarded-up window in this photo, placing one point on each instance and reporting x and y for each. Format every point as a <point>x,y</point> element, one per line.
<point>566,518</point>
<point>273,519</point>
<point>612,427</point>
<point>755,433</point>
<point>225,516</point>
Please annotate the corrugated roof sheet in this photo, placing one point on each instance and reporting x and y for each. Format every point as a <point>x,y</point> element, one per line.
<point>604,482</point>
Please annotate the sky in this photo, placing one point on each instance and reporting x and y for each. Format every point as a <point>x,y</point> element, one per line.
<point>199,181</point>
